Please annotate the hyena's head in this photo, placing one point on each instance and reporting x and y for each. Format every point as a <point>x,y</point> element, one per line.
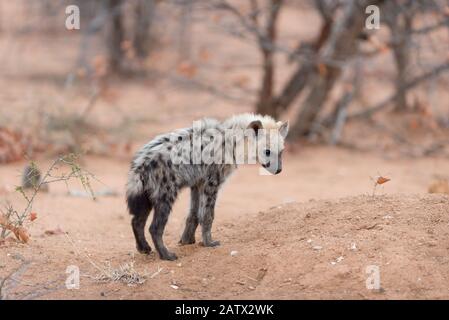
<point>270,143</point>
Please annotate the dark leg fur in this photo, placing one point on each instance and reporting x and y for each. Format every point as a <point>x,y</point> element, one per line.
<point>188,236</point>
<point>207,203</point>
<point>160,218</point>
<point>140,206</point>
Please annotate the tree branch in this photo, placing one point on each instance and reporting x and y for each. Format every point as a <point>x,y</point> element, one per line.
<point>410,85</point>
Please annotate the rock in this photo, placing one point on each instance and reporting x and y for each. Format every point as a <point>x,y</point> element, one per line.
<point>234,253</point>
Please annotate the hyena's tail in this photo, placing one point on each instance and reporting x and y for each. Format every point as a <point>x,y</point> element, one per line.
<point>138,201</point>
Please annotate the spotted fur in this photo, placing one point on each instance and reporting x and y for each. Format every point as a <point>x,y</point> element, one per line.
<point>154,179</point>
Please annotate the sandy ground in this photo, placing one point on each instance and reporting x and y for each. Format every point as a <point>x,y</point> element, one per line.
<point>288,230</point>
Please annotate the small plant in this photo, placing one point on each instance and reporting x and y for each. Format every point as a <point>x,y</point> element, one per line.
<point>13,220</point>
<point>380,180</point>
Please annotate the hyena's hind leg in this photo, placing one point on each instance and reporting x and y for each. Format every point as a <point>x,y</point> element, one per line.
<point>160,217</point>
<point>188,236</point>
<point>139,207</point>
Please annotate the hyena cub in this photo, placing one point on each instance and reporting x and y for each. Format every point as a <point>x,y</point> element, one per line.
<point>201,158</point>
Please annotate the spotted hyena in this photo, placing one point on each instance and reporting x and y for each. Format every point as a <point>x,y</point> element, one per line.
<point>202,158</point>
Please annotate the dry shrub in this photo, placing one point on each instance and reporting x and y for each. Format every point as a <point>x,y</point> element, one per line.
<point>13,220</point>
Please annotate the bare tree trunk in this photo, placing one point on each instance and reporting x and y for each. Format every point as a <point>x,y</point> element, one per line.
<point>401,49</point>
<point>341,115</point>
<point>144,13</point>
<point>264,105</point>
<point>314,102</point>
<point>340,46</point>
<point>115,36</point>
<point>294,86</point>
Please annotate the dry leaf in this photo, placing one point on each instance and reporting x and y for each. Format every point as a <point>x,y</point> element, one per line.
<point>414,124</point>
<point>187,69</point>
<point>382,180</point>
<point>322,69</point>
<point>81,73</point>
<point>204,55</point>
<point>3,220</point>
<point>241,81</point>
<point>22,234</point>
<point>33,216</point>
<point>384,49</point>
<point>125,45</point>
<point>217,18</point>
<point>380,46</point>
<point>53,232</point>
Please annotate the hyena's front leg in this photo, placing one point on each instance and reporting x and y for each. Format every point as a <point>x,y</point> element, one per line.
<point>206,214</point>
<point>188,236</point>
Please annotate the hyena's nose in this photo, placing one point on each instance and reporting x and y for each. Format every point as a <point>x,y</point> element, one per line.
<point>278,170</point>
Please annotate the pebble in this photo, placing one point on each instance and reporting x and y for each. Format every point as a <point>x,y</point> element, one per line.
<point>234,253</point>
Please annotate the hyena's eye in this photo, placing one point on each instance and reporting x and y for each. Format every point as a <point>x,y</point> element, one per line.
<point>267,152</point>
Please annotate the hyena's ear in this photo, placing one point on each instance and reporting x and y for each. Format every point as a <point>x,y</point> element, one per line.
<point>283,129</point>
<point>255,125</point>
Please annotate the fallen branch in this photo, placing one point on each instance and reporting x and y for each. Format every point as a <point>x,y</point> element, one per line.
<point>12,276</point>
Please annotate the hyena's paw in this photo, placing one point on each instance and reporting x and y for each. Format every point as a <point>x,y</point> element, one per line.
<point>168,256</point>
<point>212,243</point>
<point>187,240</point>
<point>144,249</point>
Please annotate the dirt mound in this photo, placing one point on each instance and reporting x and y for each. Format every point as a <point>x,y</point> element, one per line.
<point>321,249</point>
<point>316,249</point>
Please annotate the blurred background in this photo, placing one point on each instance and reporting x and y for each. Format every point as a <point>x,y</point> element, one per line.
<point>139,67</point>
